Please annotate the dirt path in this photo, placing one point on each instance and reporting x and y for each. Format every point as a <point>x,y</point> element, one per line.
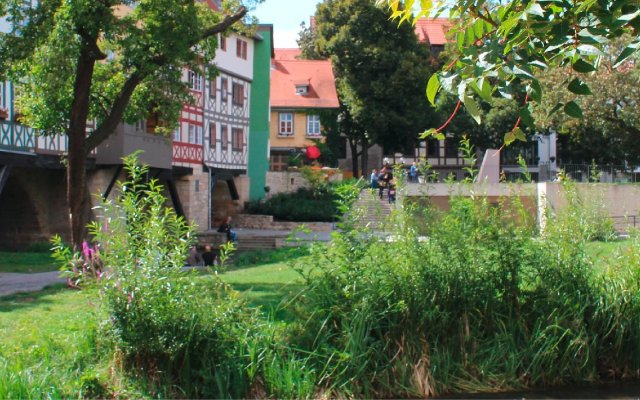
<point>11,283</point>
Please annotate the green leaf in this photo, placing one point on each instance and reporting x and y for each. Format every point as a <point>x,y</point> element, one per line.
<point>433,133</point>
<point>471,37</point>
<point>509,138</point>
<point>573,110</point>
<point>629,17</point>
<point>460,39</point>
<point>483,89</point>
<point>432,88</point>
<point>589,50</point>
<point>536,9</point>
<point>478,28</point>
<point>579,87</point>
<point>626,53</point>
<point>582,66</point>
<point>555,109</point>
<point>525,115</point>
<point>472,108</point>
<point>536,90</point>
<point>519,134</point>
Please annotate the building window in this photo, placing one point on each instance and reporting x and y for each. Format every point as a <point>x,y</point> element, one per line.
<point>313,125</point>
<point>286,124</point>
<point>2,96</point>
<point>450,148</point>
<point>195,81</point>
<point>141,125</point>
<point>213,135</point>
<point>224,88</point>
<point>176,135</point>
<point>237,139</point>
<point>195,134</point>
<point>223,43</point>
<point>213,88</point>
<point>433,148</point>
<point>238,94</point>
<point>278,162</point>
<point>224,137</point>
<point>241,49</point>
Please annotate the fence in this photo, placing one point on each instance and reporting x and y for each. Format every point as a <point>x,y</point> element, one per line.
<point>577,172</point>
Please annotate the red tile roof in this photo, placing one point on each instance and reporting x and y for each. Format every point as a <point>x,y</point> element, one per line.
<point>318,73</point>
<point>287,54</point>
<point>432,30</point>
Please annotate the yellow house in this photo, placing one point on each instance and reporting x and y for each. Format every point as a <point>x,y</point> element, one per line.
<point>300,90</point>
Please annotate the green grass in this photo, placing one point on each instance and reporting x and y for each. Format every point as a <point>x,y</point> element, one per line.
<point>268,286</point>
<point>605,253</point>
<point>46,342</point>
<point>26,262</point>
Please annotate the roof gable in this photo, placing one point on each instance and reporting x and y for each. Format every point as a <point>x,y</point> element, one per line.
<point>317,74</point>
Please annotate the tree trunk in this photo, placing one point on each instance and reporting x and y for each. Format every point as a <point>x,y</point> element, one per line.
<point>353,144</point>
<point>364,159</point>
<point>76,170</point>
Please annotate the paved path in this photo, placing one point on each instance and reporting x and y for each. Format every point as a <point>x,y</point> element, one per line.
<point>11,283</point>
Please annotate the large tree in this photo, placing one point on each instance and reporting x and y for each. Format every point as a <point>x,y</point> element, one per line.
<point>505,45</point>
<point>609,133</point>
<point>380,73</point>
<point>100,60</point>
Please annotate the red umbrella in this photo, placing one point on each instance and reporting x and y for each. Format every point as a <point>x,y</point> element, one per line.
<point>313,152</point>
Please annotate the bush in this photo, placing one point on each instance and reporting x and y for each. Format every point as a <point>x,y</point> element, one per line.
<point>322,203</point>
<point>485,303</point>
<point>304,205</point>
<point>181,334</point>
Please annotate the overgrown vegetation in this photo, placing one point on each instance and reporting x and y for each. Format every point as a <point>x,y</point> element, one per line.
<point>486,301</point>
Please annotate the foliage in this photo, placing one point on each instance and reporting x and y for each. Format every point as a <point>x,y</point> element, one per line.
<point>308,205</point>
<point>610,127</point>
<point>585,214</point>
<point>179,332</point>
<point>79,268</point>
<point>484,303</point>
<point>104,61</point>
<point>378,76</point>
<point>503,46</point>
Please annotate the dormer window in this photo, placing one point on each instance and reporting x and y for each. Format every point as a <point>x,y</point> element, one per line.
<point>302,90</point>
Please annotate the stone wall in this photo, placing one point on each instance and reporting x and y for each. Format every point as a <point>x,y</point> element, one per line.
<point>252,221</point>
<point>285,182</point>
<point>291,181</point>
<point>193,191</point>
<point>33,207</point>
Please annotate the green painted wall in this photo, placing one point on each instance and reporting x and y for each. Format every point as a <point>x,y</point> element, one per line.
<point>259,125</point>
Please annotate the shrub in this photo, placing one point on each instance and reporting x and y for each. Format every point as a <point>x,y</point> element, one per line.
<point>485,303</point>
<point>304,205</point>
<point>181,334</point>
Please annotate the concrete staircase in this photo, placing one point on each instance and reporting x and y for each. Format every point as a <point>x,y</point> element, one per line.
<point>253,242</point>
<point>372,212</point>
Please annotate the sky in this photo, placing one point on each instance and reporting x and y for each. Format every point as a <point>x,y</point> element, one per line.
<point>286,17</point>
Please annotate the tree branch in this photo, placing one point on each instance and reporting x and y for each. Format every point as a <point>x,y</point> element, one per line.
<point>109,125</point>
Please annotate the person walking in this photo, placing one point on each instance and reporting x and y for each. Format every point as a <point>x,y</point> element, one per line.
<point>413,172</point>
<point>381,181</point>
<point>373,181</point>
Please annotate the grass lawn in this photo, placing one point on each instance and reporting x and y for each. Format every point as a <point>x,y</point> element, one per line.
<point>26,262</point>
<point>268,286</point>
<point>46,342</point>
